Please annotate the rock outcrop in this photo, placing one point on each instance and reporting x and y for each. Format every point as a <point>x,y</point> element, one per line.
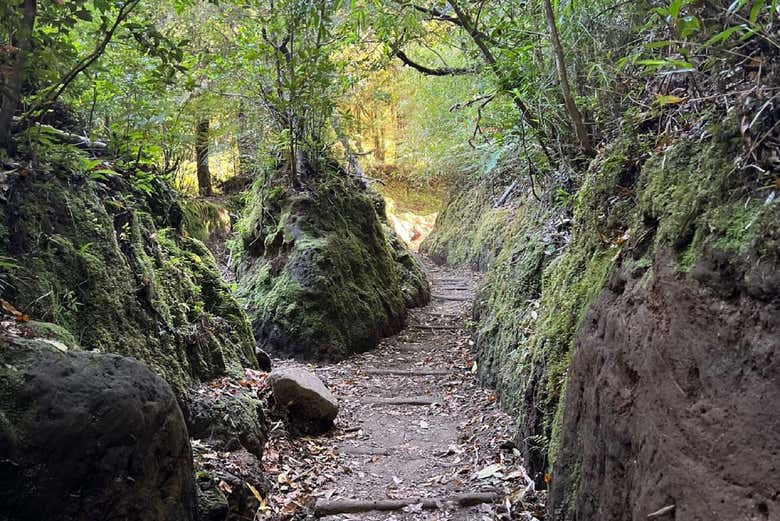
<point>228,421</point>
<point>310,407</point>
<point>318,274</point>
<point>86,436</point>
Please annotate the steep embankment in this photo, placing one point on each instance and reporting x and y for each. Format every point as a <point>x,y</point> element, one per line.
<point>321,273</point>
<point>635,341</point>
<point>115,269</point>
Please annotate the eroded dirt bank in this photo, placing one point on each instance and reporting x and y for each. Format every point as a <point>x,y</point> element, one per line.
<point>632,330</point>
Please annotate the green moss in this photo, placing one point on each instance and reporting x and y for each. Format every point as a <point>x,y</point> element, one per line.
<point>318,274</point>
<point>468,230</point>
<point>94,262</point>
<point>206,220</point>
<point>53,331</point>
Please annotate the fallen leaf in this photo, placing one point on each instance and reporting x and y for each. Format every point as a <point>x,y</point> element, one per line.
<point>489,471</point>
<point>669,99</point>
<point>9,309</point>
<point>254,492</point>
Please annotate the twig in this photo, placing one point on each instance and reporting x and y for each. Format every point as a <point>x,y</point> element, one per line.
<point>661,511</point>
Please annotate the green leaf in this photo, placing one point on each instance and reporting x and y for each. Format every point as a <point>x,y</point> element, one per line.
<point>668,99</point>
<point>724,35</point>
<point>758,5</point>
<point>687,26</point>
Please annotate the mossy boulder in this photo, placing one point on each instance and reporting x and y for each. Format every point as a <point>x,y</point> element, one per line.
<point>317,272</point>
<point>110,266</point>
<point>468,231</point>
<point>208,220</point>
<point>88,436</point>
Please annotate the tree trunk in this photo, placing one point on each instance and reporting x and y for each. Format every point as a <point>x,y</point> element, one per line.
<point>247,147</point>
<point>12,87</point>
<point>560,64</point>
<point>202,155</point>
<point>467,24</point>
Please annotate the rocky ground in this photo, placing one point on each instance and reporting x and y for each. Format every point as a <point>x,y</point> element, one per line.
<point>416,434</point>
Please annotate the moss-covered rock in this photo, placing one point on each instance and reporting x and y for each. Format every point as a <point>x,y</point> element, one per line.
<point>208,220</point>
<point>109,266</point>
<point>468,230</point>
<point>317,272</point>
<point>228,421</point>
<point>87,435</point>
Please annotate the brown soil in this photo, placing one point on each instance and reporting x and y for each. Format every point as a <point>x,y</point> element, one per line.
<point>672,402</point>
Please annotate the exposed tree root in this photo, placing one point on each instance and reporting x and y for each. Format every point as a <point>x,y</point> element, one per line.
<point>408,400</point>
<point>351,506</point>
<point>405,372</point>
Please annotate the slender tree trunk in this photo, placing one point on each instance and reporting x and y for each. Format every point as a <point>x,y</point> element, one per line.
<point>247,147</point>
<point>354,164</point>
<point>12,87</point>
<point>202,155</point>
<point>560,64</point>
<point>467,24</point>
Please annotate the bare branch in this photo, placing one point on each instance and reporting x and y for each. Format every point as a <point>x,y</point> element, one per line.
<point>440,71</point>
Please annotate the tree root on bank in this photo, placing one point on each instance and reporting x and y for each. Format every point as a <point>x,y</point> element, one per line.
<point>351,506</point>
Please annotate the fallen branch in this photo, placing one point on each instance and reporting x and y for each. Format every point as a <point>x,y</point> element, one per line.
<point>351,506</point>
<point>509,189</point>
<point>446,297</point>
<point>660,512</point>
<point>423,326</point>
<point>407,400</point>
<point>404,372</point>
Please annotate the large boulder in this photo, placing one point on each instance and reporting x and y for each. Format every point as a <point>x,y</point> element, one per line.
<point>87,436</point>
<point>317,273</point>
<point>310,406</point>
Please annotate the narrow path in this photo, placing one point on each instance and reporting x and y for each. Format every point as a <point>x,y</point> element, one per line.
<point>415,424</point>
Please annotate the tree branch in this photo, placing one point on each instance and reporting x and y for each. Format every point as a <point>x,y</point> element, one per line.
<point>85,62</point>
<point>440,71</point>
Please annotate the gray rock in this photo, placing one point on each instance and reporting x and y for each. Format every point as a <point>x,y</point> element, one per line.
<point>263,360</point>
<point>212,503</point>
<point>228,421</point>
<point>310,406</point>
<point>87,436</point>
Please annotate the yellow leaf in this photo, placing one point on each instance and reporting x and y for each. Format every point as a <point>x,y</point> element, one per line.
<point>668,100</point>
<point>255,493</point>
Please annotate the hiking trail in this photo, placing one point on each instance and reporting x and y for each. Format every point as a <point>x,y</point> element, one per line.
<point>417,436</point>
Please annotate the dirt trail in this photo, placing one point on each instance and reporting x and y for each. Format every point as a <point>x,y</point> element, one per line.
<point>414,423</point>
